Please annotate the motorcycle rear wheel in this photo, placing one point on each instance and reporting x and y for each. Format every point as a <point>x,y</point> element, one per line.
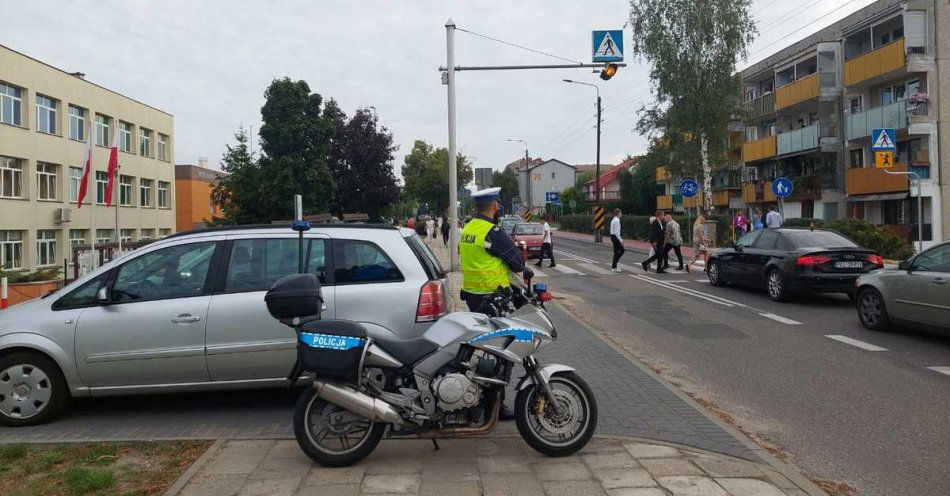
<point>330,435</point>
<point>557,434</point>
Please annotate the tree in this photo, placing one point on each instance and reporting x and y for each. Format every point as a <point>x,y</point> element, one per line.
<point>361,162</point>
<point>508,182</point>
<point>426,175</point>
<point>693,48</point>
<point>238,192</point>
<point>639,195</point>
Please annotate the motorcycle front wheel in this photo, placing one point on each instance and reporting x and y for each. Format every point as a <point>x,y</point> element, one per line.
<point>556,433</point>
<point>332,436</point>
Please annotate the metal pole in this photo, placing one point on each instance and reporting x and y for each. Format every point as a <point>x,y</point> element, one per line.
<point>598,235</point>
<point>115,199</point>
<point>911,176</point>
<point>453,180</point>
<point>535,66</point>
<point>527,177</point>
<point>298,217</point>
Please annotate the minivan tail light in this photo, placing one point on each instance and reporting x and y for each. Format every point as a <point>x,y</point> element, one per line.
<point>876,260</point>
<point>812,260</point>
<point>431,302</point>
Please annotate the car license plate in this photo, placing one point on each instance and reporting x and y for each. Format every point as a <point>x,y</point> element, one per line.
<point>849,265</point>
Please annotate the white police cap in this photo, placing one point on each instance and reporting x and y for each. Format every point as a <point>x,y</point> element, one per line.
<point>486,195</point>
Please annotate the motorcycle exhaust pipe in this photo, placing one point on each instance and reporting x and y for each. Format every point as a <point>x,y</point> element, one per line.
<point>359,403</point>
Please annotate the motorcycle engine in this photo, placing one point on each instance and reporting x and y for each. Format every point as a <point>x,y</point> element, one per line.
<point>455,391</point>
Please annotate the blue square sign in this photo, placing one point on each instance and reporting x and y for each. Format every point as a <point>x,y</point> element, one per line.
<point>883,140</point>
<point>608,46</point>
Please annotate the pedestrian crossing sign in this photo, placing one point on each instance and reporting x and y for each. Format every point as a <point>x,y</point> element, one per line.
<point>608,45</point>
<point>883,140</point>
<point>884,160</point>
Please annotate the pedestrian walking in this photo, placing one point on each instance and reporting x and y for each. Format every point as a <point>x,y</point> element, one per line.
<point>700,244</point>
<point>616,240</point>
<point>445,232</point>
<point>547,247</point>
<point>411,223</point>
<point>657,241</point>
<point>757,221</point>
<point>430,228</point>
<point>773,220</point>
<point>738,225</point>
<point>674,241</point>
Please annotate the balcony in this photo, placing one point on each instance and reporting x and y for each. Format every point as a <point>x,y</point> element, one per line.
<point>664,202</point>
<point>872,64</point>
<point>868,180</point>
<point>759,149</point>
<point>693,202</point>
<point>799,91</point>
<point>757,192</point>
<point>859,125</point>
<point>806,187</point>
<point>721,198</point>
<point>761,106</point>
<point>798,140</point>
<point>662,174</point>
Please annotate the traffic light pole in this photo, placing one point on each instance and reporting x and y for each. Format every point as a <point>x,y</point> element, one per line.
<point>598,236</point>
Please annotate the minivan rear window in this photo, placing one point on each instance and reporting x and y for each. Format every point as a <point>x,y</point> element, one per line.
<point>428,260</point>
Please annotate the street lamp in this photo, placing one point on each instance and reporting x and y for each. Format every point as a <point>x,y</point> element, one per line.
<point>527,173</point>
<point>597,233</point>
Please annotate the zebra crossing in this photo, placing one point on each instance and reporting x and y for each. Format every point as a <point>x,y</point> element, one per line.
<point>570,264</point>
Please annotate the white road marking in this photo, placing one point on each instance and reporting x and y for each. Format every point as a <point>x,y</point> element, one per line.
<point>681,290</point>
<point>942,370</point>
<point>702,280</point>
<point>596,269</point>
<point>567,270</point>
<point>696,293</point>
<point>575,257</point>
<point>675,280</point>
<point>779,318</point>
<point>855,342</point>
<point>629,268</point>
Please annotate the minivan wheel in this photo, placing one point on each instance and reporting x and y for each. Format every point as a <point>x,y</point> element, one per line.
<point>32,389</point>
<point>871,310</point>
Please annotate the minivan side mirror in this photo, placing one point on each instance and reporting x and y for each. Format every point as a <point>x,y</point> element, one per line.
<point>905,265</point>
<point>102,296</point>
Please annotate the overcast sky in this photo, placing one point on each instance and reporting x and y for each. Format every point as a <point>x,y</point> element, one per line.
<point>208,63</point>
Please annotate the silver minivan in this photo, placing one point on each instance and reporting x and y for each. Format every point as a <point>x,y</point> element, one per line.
<point>187,313</point>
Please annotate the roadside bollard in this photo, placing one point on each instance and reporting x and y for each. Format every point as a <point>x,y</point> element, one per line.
<point>3,293</point>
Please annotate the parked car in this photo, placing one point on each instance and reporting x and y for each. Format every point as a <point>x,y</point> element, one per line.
<point>788,261</point>
<point>187,313</point>
<point>531,234</point>
<point>917,293</point>
<point>508,223</point>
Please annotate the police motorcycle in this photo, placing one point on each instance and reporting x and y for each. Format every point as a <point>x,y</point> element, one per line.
<point>448,382</point>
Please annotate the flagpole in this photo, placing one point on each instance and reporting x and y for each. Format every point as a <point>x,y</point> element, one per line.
<point>115,199</point>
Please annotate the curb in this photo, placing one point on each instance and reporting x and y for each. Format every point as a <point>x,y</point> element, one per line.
<point>787,470</point>
<point>186,477</point>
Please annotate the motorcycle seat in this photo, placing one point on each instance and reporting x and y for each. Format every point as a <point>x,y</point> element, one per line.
<point>407,351</point>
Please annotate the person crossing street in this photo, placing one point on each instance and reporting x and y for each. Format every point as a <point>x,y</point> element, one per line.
<point>546,246</point>
<point>616,240</point>
<point>674,239</point>
<point>657,240</point>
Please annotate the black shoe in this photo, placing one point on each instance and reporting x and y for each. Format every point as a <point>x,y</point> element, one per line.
<point>552,265</point>
<point>537,264</point>
<point>660,271</point>
<point>680,268</point>
<point>505,413</point>
<point>645,266</point>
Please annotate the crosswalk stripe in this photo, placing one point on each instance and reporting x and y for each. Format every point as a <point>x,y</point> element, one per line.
<point>682,290</point>
<point>942,370</point>
<point>855,342</point>
<point>575,257</point>
<point>779,318</point>
<point>538,273</point>
<point>567,270</point>
<point>596,269</point>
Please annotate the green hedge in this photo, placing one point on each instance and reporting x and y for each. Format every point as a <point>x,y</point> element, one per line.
<point>40,275</point>
<point>865,234</point>
<point>638,226</point>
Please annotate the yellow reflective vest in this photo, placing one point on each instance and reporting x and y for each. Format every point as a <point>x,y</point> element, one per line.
<point>482,272</point>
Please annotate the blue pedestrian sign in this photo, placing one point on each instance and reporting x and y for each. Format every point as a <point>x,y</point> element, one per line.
<point>689,188</point>
<point>782,187</point>
<point>608,46</point>
<point>552,197</point>
<point>883,140</point>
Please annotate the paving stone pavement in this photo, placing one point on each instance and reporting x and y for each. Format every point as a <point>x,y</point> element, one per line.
<point>494,466</point>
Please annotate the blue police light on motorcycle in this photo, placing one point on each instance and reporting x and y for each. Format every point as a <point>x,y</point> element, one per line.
<point>540,287</point>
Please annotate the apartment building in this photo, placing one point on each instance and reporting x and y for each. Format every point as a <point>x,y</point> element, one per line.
<point>809,110</point>
<point>47,117</point>
<point>193,186</point>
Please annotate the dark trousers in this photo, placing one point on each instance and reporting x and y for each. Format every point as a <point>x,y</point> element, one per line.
<point>548,249</point>
<point>618,250</point>
<point>676,249</point>
<point>445,238</point>
<point>474,301</point>
<point>659,255</point>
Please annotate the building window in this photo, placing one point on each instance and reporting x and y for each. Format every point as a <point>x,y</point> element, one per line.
<point>125,191</point>
<point>45,247</point>
<point>163,147</point>
<point>77,123</point>
<point>163,188</point>
<point>11,178</point>
<point>145,142</point>
<point>146,234</point>
<point>11,249</point>
<point>45,181</point>
<point>75,176</point>
<point>856,157</point>
<point>125,236</point>
<point>45,114</point>
<point>145,192</point>
<point>102,178</point>
<point>125,137</point>
<point>10,105</point>
<point>102,130</point>
<point>77,237</point>
<point>103,236</point>
<point>164,232</point>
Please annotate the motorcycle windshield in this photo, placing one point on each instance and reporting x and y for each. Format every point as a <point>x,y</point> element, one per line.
<point>535,317</point>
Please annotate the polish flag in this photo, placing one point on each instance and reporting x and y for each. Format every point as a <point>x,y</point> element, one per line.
<point>113,167</point>
<point>86,169</point>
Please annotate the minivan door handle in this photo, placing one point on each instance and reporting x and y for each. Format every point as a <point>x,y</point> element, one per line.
<point>186,318</point>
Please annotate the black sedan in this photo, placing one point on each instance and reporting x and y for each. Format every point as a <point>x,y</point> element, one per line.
<point>789,261</point>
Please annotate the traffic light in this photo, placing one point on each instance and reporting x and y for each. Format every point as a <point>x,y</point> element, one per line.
<point>608,72</point>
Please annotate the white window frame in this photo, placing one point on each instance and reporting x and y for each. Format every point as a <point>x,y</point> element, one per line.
<point>125,137</point>
<point>126,236</point>
<point>11,177</point>
<point>162,146</point>
<point>11,249</point>
<point>103,123</point>
<point>77,123</point>
<point>145,193</point>
<point>45,247</point>
<point>164,232</point>
<point>73,240</point>
<point>103,236</point>
<point>46,177</point>
<point>102,180</point>
<point>11,97</point>
<point>46,106</point>
<point>125,190</point>
<point>75,178</point>
<point>146,234</point>
<point>163,187</point>
<point>145,142</point>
